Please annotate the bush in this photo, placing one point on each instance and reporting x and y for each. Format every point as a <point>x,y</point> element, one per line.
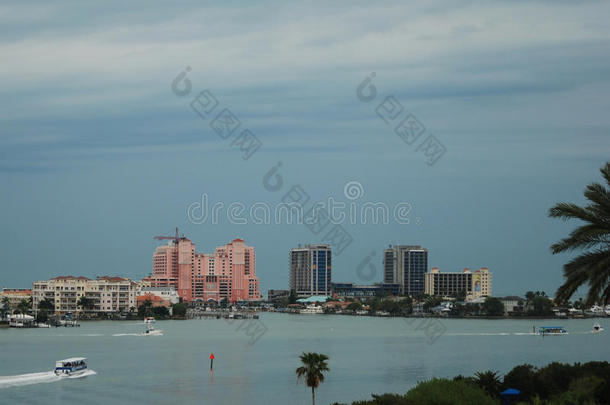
<point>448,392</point>
<point>523,378</point>
<point>493,307</point>
<point>160,312</point>
<point>179,310</point>
<point>583,391</point>
<point>42,316</point>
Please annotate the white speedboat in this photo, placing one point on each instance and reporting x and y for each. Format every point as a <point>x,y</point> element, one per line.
<point>597,328</point>
<point>70,367</point>
<point>552,331</point>
<point>311,309</point>
<point>151,331</point>
<point>149,319</point>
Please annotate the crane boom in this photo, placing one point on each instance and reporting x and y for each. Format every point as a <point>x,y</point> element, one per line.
<point>175,238</point>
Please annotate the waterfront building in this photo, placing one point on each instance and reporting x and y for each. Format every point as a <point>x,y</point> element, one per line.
<point>155,300</point>
<point>310,270</point>
<point>405,265</point>
<point>106,294</point>
<point>15,296</point>
<point>451,284</point>
<point>353,290</point>
<point>165,293</point>
<point>276,295</point>
<point>227,274</point>
<point>511,304</point>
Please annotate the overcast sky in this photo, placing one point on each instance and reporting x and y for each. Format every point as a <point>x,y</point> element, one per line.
<point>98,155</point>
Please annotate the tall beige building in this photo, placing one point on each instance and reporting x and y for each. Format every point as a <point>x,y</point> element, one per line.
<point>107,294</point>
<point>450,284</point>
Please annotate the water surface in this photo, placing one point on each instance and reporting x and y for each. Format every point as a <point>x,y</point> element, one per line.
<point>367,355</point>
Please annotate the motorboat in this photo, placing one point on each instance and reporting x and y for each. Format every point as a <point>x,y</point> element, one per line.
<point>70,367</point>
<point>151,331</point>
<point>552,330</point>
<point>149,319</point>
<point>312,309</point>
<point>597,328</point>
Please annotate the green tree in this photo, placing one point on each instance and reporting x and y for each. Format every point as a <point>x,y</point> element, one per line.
<point>493,307</point>
<point>489,381</point>
<point>179,310</point>
<point>86,303</point>
<point>145,309</point>
<point>6,306</point>
<point>24,307</point>
<point>540,306</point>
<point>524,378</point>
<point>160,312</point>
<point>592,267</point>
<point>460,296</point>
<point>582,391</point>
<point>42,316</point>
<point>312,371</point>
<point>432,302</point>
<point>354,306</point>
<point>47,305</point>
<point>442,391</point>
<point>292,298</point>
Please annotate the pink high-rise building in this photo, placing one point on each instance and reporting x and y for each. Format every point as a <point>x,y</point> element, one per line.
<point>229,272</point>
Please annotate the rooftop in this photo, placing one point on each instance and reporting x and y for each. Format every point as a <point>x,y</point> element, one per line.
<point>314,298</point>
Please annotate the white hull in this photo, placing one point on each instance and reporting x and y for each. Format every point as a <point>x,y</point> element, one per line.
<point>72,374</point>
<point>152,333</point>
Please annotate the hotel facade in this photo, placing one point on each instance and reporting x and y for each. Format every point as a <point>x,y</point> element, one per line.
<point>15,295</point>
<point>311,270</point>
<point>227,274</point>
<point>107,294</point>
<point>450,284</point>
<point>406,265</point>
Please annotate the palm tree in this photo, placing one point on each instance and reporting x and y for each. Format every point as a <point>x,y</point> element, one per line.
<point>24,307</point>
<point>6,306</point>
<point>86,303</point>
<point>314,365</point>
<point>593,237</point>
<point>47,305</point>
<point>489,381</point>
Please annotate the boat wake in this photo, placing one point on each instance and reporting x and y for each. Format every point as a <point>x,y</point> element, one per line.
<point>37,378</point>
<point>81,335</point>
<point>512,333</point>
<point>126,334</point>
<point>489,334</point>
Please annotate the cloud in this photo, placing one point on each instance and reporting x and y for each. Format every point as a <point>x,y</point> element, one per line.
<point>100,77</point>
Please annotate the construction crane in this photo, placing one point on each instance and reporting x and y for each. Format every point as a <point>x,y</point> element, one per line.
<point>176,239</point>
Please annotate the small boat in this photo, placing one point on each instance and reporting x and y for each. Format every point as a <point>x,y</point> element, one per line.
<point>149,319</point>
<point>312,309</point>
<point>151,331</point>
<point>70,367</point>
<point>597,328</point>
<point>552,330</point>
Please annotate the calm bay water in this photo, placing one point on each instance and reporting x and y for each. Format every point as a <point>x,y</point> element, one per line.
<point>367,355</point>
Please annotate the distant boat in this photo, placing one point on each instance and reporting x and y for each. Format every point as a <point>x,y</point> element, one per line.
<point>149,319</point>
<point>151,331</point>
<point>552,330</point>
<point>21,321</point>
<point>70,367</point>
<point>311,309</point>
<point>597,328</point>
